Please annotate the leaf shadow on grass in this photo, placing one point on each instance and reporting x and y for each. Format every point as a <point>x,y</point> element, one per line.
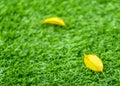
<point>53,29</point>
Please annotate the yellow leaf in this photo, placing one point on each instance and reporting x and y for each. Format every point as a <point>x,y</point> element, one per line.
<point>93,62</point>
<point>55,21</point>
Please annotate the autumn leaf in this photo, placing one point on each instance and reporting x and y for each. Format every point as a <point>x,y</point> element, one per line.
<point>54,21</point>
<point>93,62</point>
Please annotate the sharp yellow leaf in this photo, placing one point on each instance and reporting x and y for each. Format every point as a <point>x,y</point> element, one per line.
<point>55,21</point>
<point>93,62</point>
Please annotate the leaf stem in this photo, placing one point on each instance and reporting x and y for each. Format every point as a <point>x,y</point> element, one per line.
<point>103,74</point>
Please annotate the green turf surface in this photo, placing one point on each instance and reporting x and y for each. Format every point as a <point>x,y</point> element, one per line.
<point>32,54</point>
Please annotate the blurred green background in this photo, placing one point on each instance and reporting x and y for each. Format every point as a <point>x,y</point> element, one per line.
<point>32,54</point>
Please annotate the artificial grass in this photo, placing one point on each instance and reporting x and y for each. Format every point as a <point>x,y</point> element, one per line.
<point>32,54</point>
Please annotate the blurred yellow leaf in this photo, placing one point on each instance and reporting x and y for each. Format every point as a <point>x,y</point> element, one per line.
<point>93,62</point>
<point>55,21</point>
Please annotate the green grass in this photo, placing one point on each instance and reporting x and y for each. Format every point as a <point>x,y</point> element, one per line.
<point>32,54</point>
